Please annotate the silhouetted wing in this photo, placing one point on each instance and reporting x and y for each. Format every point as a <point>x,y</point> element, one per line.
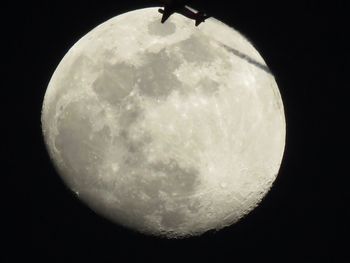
<point>166,13</point>
<point>199,17</point>
<point>187,12</point>
<point>198,21</point>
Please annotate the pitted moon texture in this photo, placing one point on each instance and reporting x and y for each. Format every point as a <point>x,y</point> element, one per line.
<point>160,128</point>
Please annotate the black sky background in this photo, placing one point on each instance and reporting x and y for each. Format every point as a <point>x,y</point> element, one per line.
<point>302,219</point>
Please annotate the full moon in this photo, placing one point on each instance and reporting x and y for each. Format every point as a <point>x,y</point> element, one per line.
<point>168,129</point>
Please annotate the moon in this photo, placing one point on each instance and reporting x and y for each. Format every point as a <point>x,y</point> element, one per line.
<point>167,129</point>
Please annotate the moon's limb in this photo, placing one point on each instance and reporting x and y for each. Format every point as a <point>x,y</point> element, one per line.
<point>161,128</point>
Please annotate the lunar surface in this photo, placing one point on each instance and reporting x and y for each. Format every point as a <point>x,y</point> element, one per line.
<point>168,129</point>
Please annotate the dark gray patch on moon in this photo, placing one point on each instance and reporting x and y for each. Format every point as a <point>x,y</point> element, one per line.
<point>197,49</point>
<point>158,29</point>
<point>179,180</point>
<point>208,86</point>
<point>128,117</point>
<point>156,77</point>
<point>115,82</point>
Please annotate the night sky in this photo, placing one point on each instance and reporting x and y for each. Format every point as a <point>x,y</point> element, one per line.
<point>302,218</point>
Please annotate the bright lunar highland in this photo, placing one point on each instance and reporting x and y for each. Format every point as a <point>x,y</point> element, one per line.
<point>169,129</point>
